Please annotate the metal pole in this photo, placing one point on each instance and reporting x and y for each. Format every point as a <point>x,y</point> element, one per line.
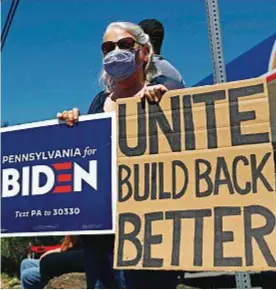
<point>212,12</point>
<point>242,278</point>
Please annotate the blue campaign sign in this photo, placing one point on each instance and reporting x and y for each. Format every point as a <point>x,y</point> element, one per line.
<point>59,180</point>
<point>257,61</point>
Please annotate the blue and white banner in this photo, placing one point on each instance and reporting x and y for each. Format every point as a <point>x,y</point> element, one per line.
<point>259,60</point>
<point>59,180</point>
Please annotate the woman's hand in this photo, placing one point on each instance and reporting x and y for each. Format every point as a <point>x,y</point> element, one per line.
<point>70,117</point>
<point>154,93</point>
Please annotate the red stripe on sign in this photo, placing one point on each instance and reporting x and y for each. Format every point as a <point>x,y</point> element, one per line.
<point>63,189</point>
<point>63,166</point>
<point>64,177</point>
<point>271,77</point>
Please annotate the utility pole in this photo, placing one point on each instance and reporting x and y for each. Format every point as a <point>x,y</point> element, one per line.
<point>242,278</point>
<point>212,12</point>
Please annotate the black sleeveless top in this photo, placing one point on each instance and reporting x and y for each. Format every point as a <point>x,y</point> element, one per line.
<point>97,105</point>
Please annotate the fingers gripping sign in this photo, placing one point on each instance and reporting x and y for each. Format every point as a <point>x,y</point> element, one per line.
<point>154,93</point>
<point>69,117</point>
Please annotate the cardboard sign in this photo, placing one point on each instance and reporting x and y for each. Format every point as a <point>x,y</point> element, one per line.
<point>196,188</point>
<point>57,180</point>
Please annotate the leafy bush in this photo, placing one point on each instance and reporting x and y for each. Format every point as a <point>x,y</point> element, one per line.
<point>13,250</point>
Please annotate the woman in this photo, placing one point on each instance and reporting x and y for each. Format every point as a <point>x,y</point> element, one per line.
<point>128,71</point>
<point>36,273</point>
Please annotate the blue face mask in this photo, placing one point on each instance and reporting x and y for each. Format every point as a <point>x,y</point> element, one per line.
<point>120,64</point>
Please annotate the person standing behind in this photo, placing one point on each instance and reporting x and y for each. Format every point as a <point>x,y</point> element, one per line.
<point>156,32</point>
<point>68,258</point>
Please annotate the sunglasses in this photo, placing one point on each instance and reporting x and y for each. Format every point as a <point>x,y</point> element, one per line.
<point>123,43</point>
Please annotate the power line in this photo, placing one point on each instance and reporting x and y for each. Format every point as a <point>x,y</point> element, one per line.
<point>8,18</point>
<point>8,22</point>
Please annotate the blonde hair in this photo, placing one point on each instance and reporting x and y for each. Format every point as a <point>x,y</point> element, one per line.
<point>137,32</point>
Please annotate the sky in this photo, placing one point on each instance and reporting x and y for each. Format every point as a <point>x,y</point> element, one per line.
<point>52,58</point>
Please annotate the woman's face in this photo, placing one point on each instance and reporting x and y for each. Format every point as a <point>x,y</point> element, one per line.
<point>115,34</point>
